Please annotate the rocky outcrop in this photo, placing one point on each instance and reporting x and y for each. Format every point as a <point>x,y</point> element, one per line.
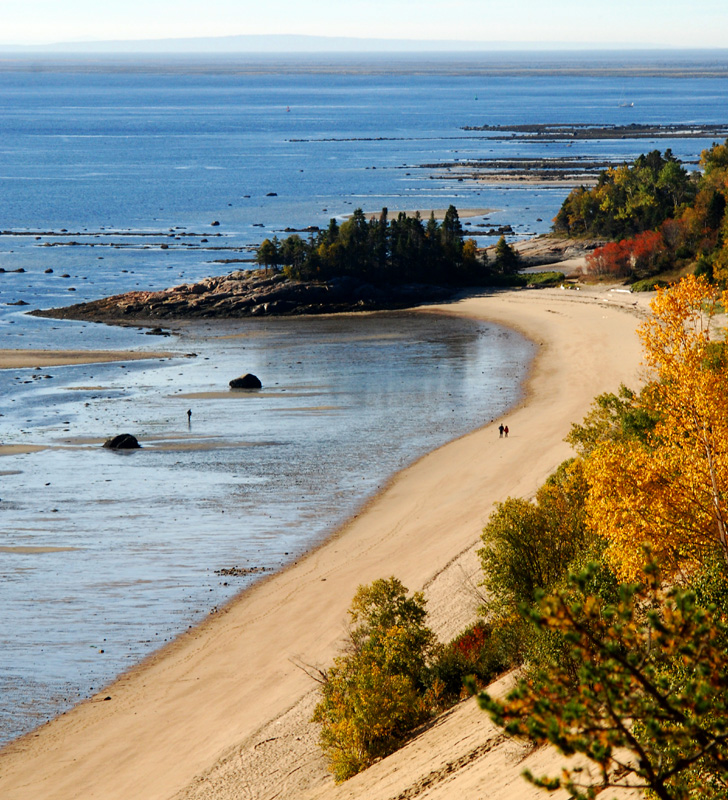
<point>250,294</point>
<point>544,250</point>
<point>254,293</point>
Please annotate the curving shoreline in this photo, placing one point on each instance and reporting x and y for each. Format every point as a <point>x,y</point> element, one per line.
<point>175,717</point>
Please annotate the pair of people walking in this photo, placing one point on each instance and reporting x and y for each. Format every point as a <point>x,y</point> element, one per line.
<point>503,430</point>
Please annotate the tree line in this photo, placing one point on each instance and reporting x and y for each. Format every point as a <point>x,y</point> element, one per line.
<point>384,250</point>
<point>659,216</point>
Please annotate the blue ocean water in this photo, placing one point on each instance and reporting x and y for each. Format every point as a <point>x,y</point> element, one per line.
<point>168,148</point>
<point>122,161</point>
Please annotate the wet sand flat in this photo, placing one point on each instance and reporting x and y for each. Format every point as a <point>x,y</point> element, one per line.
<point>28,359</point>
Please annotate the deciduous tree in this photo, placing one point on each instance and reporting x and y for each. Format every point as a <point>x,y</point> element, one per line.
<point>528,545</point>
<point>375,693</point>
<point>267,255</point>
<point>670,488</point>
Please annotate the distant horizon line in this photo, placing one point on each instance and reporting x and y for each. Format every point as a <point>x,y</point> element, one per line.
<point>259,44</point>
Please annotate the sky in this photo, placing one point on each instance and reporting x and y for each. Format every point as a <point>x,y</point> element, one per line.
<point>660,23</point>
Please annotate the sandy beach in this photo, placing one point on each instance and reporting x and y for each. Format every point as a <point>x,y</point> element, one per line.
<point>29,359</point>
<point>222,711</point>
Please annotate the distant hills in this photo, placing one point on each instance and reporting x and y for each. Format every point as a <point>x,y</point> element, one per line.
<point>290,44</point>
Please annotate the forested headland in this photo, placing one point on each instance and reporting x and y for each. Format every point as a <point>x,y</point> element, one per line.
<point>659,216</point>
<point>361,265</point>
<point>389,251</point>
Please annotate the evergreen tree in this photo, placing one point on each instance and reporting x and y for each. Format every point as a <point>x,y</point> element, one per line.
<point>382,250</point>
<point>506,259</point>
<point>451,235</point>
<point>267,255</point>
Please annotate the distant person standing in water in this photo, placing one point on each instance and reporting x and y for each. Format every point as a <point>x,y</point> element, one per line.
<point>505,430</point>
<point>189,417</point>
<point>500,430</point>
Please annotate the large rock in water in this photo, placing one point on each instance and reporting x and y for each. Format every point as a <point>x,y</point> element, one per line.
<point>124,441</point>
<point>247,381</point>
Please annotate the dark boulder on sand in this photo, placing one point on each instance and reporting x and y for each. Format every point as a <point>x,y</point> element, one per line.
<point>124,441</point>
<point>247,381</point>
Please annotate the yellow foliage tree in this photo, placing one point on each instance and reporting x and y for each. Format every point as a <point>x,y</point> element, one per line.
<point>376,692</point>
<point>720,258</point>
<point>671,489</point>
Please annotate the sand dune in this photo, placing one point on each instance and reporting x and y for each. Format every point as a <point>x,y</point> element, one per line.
<point>222,712</point>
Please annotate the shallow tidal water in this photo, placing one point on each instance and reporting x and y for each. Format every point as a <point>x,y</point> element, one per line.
<point>104,555</point>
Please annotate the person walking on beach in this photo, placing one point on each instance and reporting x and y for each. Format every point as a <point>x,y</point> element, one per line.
<point>189,417</point>
<point>505,430</point>
<point>500,430</point>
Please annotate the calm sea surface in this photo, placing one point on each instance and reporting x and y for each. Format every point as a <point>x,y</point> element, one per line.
<point>101,167</point>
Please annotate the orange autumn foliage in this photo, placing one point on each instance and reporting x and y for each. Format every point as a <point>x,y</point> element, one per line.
<point>670,491</point>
